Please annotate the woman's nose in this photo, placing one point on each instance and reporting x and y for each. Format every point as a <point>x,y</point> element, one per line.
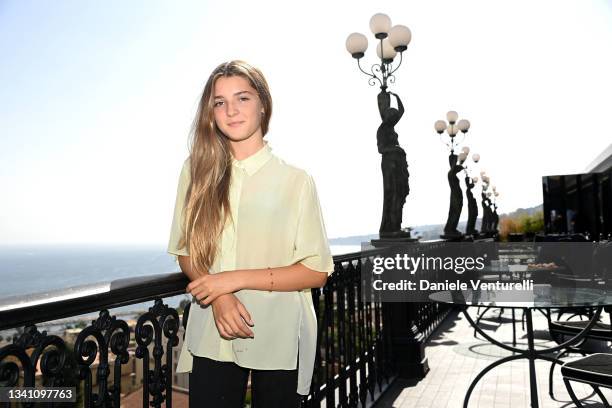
<point>232,109</point>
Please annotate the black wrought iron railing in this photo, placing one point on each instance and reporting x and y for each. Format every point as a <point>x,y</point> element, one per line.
<point>363,345</point>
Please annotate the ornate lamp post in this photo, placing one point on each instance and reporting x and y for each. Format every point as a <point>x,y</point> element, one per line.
<point>456,166</point>
<point>489,226</point>
<point>483,203</point>
<point>470,182</point>
<point>495,216</point>
<point>407,342</point>
<point>392,40</point>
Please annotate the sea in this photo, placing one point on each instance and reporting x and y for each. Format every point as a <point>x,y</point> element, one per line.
<point>27,270</point>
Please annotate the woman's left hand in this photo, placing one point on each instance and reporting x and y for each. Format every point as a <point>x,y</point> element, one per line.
<point>209,287</point>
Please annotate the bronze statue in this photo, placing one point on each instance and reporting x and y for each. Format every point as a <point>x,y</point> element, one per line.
<point>485,226</point>
<point>394,167</point>
<point>495,218</point>
<point>456,198</point>
<point>470,228</point>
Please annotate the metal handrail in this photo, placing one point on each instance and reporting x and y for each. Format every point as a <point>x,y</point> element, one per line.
<point>22,310</point>
<point>45,306</point>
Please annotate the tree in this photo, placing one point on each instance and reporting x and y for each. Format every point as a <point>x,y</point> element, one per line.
<point>524,223</point>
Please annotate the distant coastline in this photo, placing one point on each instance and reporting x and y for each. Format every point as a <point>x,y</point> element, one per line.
<point>427,232</point>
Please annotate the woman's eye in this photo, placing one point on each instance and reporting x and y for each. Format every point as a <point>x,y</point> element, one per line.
<point>244,99</point>
<point>218,103</point>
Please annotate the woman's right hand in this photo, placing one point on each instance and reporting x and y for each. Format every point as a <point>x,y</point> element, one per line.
<point>231,317</point>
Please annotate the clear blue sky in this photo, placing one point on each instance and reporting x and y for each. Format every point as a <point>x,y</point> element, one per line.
<point>97,99</point>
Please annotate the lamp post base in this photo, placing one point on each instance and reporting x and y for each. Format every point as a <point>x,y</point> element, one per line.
<point>488,234</point>
<point>452,236</point>
<point>406,342</point>
<point>411,361</point>
<point>472,232</point>
<point>393,238</point>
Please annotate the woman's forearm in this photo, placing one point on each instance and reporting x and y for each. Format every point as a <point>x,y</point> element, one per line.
<point>185,264</point>
<point>282,279</point>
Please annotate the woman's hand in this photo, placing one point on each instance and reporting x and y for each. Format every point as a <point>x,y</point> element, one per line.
<point>209,287</point>
<point>231,317</point>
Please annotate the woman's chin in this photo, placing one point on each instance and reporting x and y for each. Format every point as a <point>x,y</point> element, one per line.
<point>238,136</point>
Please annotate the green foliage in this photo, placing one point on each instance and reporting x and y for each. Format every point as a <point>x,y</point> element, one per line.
<point>521,224</point>
<point>532,223</point>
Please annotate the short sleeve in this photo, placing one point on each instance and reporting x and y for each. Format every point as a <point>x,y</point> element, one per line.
<point>176,231</point>
<point>311,245</point>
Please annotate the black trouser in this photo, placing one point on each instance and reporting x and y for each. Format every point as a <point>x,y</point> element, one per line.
<point>218,384</point>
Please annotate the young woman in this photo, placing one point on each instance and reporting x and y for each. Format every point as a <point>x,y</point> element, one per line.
<point>249,234</point>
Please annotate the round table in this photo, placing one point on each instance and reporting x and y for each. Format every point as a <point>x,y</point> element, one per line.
<point>542,297</point>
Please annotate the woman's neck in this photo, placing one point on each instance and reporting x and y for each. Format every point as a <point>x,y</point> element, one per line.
<point>245,148</point>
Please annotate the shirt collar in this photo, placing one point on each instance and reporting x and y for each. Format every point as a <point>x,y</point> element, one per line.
<point>255,161</point>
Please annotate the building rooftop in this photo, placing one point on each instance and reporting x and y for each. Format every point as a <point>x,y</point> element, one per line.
<point>601,162</point>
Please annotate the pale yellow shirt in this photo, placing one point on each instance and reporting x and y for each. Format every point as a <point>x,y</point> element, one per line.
<point>278,222</point>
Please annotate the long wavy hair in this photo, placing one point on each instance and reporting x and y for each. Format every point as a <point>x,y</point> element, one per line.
<point>207,203</point>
